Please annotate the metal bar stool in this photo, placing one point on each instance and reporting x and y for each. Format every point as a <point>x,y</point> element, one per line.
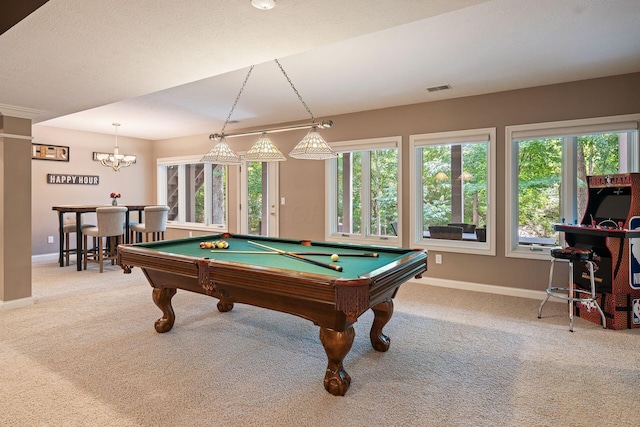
<point>570,293</point>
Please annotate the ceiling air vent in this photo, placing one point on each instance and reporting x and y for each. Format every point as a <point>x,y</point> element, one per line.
<point>438,88</point>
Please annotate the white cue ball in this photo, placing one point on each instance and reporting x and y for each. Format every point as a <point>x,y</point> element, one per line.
<point>334,257</point>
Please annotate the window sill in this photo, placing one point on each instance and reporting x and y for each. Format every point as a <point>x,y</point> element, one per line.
<point>391,241</point>
<point>530,252</point>
<point>457,246</point>
<point>195,227</point>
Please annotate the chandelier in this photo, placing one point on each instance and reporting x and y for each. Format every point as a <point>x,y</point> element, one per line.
<point>115,160</point>
<point>312,146</point>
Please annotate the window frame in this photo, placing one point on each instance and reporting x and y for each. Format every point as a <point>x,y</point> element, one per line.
<point>563,128</point>
<point>416,238</point>
<point>331,196</point>
<point>161,179</point>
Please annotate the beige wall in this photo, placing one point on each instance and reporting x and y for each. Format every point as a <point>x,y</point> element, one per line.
<point>135,183</point>
<point>302,181</point>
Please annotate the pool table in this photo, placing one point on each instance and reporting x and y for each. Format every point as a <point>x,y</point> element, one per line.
<point>249,272</point>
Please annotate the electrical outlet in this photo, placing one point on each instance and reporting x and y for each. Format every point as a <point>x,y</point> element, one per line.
<point>438,258</point>
<point>49,239</point>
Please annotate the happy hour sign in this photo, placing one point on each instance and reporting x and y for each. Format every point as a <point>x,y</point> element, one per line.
<point>55,178</point>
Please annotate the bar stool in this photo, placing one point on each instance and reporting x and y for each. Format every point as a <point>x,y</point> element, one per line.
<point>570,293</point>
<point>69,226</point>
<point>155,223</point>
<point>110,226</point>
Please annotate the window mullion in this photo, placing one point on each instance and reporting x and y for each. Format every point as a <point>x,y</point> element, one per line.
<point>208,203</point>
<point>182,193</point>
<point>569,187</point>
<point>365,196</point>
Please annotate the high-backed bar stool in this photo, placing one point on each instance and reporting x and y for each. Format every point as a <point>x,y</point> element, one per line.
<point>110,226</point>
<point>155,223</point>
<point>68,227</point>
<point>570,292</point>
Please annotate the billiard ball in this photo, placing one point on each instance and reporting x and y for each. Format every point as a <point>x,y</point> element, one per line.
<point>334,257</point>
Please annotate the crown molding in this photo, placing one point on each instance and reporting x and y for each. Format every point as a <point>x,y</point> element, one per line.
<point>19,112</point>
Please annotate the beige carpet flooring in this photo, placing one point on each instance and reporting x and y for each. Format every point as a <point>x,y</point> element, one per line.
<point>86,354</point>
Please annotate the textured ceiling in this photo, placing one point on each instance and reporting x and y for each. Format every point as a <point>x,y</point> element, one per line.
<point>166,71</point>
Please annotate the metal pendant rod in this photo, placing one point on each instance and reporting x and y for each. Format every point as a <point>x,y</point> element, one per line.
<point>324,124</point>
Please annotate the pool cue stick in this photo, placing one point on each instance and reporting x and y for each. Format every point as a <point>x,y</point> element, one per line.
<point>372,254</point>
<point>299,257</point>
<point>364,254</point>
<point>224,251</point>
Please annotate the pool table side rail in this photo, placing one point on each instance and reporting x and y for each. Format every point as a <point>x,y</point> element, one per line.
<point>129,256</point>
<point>355,297</point>
<point>407,269</point>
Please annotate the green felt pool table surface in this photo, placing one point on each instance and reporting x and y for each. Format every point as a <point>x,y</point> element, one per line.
<point>353,266</point>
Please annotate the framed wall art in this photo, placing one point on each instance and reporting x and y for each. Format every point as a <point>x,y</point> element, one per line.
<point>57,153</point>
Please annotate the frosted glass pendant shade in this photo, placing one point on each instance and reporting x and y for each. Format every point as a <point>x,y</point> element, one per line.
<point>221,154</point>
<point>264,151</point>
<point>313,147</point>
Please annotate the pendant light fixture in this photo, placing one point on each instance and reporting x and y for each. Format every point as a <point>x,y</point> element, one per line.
<point>116,160</point>
<point>312,146</point>
<point>264,151</point>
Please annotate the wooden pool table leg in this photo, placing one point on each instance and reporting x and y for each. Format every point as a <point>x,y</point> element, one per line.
<point>336,345</point>
<point>382,314</point>
<point>162,298</point>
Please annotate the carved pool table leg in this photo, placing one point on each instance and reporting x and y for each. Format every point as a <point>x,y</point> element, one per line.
<point>162,298</point>
<point>336,345</point>
<point>382,313</point>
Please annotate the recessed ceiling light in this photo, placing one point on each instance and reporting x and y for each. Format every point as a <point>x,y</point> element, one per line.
<point>438,88</point>
<point>263,4</point>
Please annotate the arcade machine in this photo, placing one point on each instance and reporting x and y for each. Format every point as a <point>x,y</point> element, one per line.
<point>610,228</point>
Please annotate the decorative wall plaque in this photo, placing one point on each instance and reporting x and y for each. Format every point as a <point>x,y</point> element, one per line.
<point>50,152</point>
<point>60,178</point>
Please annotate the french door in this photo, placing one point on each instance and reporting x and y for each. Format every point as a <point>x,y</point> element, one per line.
<point>259,198</point>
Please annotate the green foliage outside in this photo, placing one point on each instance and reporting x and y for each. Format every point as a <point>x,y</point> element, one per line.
<point>540,165</point>
<point>540,174</point>
<point>383,196</point>
<point>254,195</point>
<point>384,191</point>
<point>437,186</point>
<point>218,194</point>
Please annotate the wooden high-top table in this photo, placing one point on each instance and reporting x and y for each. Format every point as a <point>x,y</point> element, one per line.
<point>79,210</point>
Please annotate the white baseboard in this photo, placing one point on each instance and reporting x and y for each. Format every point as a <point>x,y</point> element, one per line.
<point>44,257</point>
<point>16,303</point>
<point>480,287</point>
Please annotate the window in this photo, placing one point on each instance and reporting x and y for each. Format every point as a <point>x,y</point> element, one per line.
<point>547,169</point>
<point>195,192</point>
<point>363,191</point>
<point>453,190</point>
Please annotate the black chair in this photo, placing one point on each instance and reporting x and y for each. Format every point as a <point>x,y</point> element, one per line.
<point>466,228</point>
<point>445,232</point>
